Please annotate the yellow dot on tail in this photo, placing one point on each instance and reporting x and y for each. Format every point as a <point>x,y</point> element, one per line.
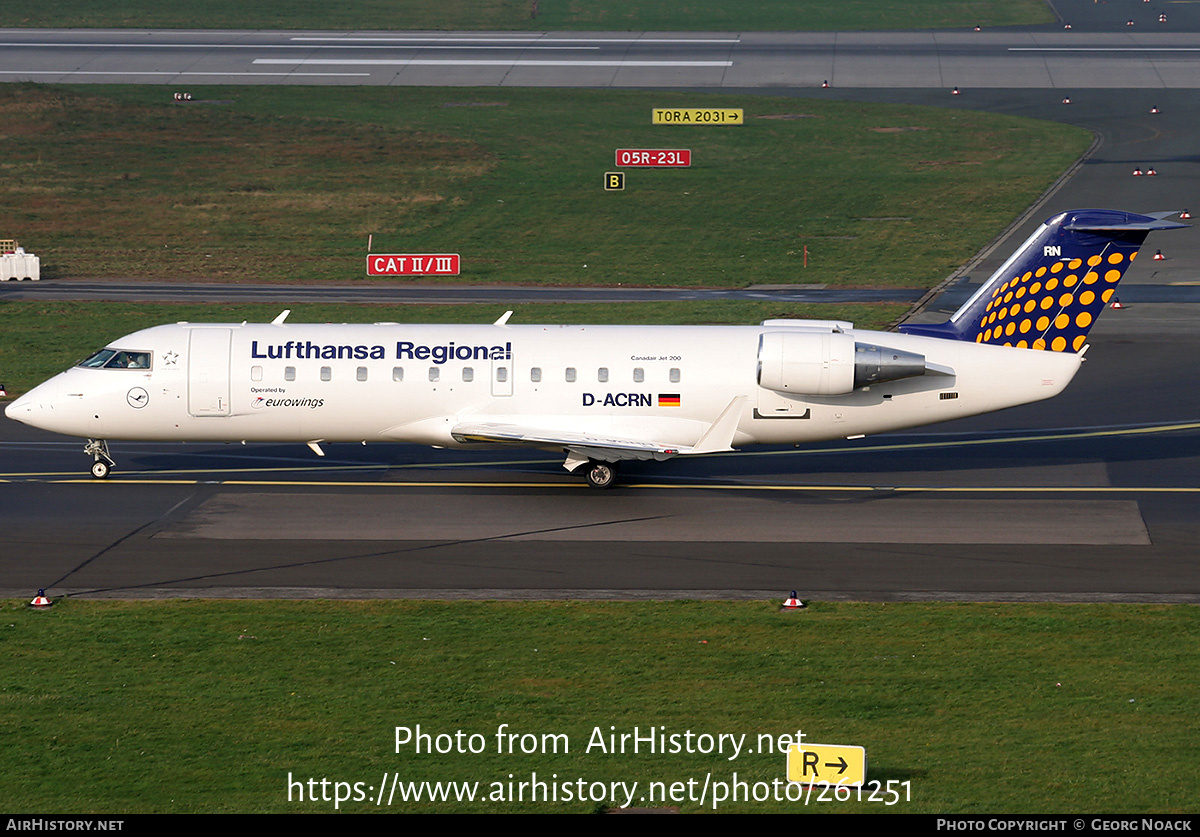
<point>1058,344</point>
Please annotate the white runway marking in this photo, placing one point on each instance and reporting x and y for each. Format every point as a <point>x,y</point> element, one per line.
<point>448,62</point>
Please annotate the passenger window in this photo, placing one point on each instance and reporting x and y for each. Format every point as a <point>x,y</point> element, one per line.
<point>397,373</point>
<point>674,376</point>
<point>570,374</point>
<point>289,373</point>
<point>535,374</point>
<point>501,374</point>
<point>639,375</point>
<point>468,374</point>
<point>435,374</point>
<point>256,373</point>
<point>362,373</point>
<point>602,375</point>
<point>326,373</point>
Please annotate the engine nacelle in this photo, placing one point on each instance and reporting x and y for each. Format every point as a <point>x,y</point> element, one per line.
<point>829,363</point>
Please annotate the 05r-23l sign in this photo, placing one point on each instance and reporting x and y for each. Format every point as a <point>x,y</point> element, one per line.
<point>654,157</point>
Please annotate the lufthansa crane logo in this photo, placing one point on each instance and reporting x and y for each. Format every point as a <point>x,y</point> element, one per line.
<point>137,398</point>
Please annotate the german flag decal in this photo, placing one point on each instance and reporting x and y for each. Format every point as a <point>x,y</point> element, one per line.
<point>668,400</point>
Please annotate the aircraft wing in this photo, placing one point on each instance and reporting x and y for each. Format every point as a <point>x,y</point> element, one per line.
<point>582,446</point>
<point>587,445</point>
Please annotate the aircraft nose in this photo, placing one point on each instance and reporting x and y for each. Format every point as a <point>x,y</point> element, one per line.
<point>28,407</point>
<point>18,408</point>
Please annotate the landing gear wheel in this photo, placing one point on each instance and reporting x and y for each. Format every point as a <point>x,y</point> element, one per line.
<point>98,450</point>
<point>601,474</point>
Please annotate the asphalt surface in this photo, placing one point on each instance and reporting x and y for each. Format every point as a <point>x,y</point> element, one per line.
<point>1090,496</point>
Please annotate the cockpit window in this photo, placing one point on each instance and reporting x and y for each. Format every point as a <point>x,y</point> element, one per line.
<point>117,359</point>
<point>97,360</point>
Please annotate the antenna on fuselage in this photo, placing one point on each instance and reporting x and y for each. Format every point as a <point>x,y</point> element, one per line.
<point>504,319</point>
<point>282,316</point>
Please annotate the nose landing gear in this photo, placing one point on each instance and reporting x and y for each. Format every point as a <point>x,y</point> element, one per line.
<point>98,449</point>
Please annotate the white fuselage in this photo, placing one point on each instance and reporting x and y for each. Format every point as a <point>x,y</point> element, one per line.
<point>415,383</point>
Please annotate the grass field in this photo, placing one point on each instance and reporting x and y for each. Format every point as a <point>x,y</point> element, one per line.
<point>286,184</point>
<point>543,15</point>
<point>42,339</point>
<point>208,706</point>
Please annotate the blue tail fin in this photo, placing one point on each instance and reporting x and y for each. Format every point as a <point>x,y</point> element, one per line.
<point>1050,292</point>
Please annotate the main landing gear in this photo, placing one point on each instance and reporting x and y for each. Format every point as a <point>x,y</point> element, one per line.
<point>98,448</point>
<point>601,474</point>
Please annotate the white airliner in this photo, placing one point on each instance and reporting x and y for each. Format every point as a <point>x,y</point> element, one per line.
<point>603,394</point>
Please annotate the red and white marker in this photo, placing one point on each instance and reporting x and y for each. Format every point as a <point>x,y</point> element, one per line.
<point>40,600</point>
<point>1159,257</point>
<point>1185,215</point>
<point>1150,172</point>
<point>793,603</point>
<point>1137,172</point>
<point>1116,303</point>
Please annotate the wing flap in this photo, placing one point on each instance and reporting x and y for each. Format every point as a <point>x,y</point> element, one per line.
<point>513,434</point>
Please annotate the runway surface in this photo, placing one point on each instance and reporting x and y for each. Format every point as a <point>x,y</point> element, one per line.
<point>1093,495</point>
<point>1089,496</point>
<point>1146,56</point>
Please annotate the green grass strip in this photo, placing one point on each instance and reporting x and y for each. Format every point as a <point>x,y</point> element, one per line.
<point>537,15</point>
<point>289,184</point>
<point>981,708</point>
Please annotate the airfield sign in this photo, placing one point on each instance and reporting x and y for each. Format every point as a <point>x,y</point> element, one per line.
<point>827,764</point>
<point>413,264</point>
